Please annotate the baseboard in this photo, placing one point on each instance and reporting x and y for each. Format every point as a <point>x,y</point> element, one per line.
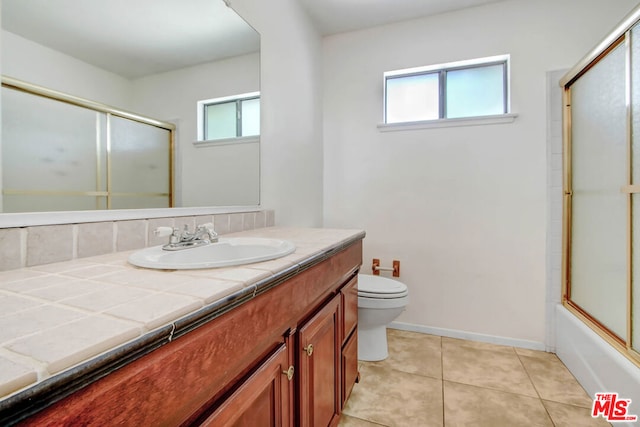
<point>472,336</point>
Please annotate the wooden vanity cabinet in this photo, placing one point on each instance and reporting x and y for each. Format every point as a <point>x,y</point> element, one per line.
<point>263,399</point>
<point>318,369</point>
<point>235,370</point>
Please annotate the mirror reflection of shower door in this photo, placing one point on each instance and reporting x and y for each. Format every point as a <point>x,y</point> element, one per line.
<point>599,212</point>
<point>61,153</point>
<point>50,160</point>
<point>140,164</point>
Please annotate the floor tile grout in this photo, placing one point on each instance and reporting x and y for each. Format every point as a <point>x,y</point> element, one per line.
<point>524,367</point>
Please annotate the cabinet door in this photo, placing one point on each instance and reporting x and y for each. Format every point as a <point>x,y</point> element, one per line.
<point>349,366</point>
<point>319,357</point>
<point>262,400</point>
<point>349,308</point>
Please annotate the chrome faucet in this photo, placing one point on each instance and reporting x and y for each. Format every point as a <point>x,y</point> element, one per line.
<point>178,240</point>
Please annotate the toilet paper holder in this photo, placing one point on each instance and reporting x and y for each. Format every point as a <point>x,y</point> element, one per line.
<point>375,267</point>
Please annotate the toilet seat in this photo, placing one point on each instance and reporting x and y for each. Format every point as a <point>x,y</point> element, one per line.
<point>380,287</point>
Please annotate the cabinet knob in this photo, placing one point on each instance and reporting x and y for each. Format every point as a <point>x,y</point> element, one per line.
<point>289,372</point>
<point>309,349</point>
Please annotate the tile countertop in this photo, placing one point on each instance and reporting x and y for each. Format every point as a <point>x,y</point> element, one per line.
<point>57,318</point>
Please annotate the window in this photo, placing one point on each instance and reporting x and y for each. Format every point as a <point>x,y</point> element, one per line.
<point>229,117</point>
<point>474,88</point>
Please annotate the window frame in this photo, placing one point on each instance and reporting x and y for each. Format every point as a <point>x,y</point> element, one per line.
<point>202,118</point>
<point>442,70</point>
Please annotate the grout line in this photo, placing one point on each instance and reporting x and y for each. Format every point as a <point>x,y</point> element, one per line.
<point>528,375</point>
<point>534,387</point>
<point>392,368</point>
<point>74,241</point>
<point>493,389</point>
<point>23,246</point>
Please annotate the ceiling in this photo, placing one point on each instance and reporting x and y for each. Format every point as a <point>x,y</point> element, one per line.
<point>134,38</point>
<point>337,16</point>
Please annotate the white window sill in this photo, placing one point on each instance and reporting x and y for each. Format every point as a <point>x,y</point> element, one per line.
<point>443,123</point>
<point>227,141</point>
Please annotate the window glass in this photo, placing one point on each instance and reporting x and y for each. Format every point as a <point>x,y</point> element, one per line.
<point>220,120</point>
<point>413,98</point>
<point>251,117</point>
<point>229,117</point>
<point>477,91</point>
<point>470,88</point>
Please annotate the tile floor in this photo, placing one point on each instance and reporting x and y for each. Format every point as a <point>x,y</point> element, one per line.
<point>437,381</point>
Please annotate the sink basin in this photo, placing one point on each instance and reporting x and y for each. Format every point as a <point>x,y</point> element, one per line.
<point>226,252</point>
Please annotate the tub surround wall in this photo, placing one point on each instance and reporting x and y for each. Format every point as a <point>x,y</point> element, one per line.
<point>37,245</point>
<point>554,205</point>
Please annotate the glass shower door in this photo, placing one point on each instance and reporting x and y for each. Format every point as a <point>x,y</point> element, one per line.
<point>599,209</point>
<point>635,181</point>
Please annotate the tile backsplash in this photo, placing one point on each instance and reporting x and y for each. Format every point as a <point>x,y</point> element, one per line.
<point>37,245</point>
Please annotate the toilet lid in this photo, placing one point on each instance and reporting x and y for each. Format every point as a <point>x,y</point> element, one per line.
<point>380,287</point>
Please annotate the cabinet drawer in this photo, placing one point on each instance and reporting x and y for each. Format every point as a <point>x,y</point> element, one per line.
<point>349,308</point>
<point>349,366</point>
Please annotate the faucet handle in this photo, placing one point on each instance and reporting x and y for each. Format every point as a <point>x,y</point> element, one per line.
<point>208,228</point>
<point>163,231</point>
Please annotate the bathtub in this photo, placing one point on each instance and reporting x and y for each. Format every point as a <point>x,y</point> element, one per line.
<point>595,363</point>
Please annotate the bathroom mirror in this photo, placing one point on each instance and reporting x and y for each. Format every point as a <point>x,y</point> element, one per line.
<point>155,58</point>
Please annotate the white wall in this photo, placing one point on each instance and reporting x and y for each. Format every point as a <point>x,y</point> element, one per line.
<point>291,100</point>
<point>228,175</point>
<point>463,209</point>
<point>40,65</point>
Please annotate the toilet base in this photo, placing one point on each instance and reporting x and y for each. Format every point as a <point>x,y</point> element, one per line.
<point>372,343</point>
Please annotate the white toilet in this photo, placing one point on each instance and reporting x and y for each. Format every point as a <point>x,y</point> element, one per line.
<point>380,301</point>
